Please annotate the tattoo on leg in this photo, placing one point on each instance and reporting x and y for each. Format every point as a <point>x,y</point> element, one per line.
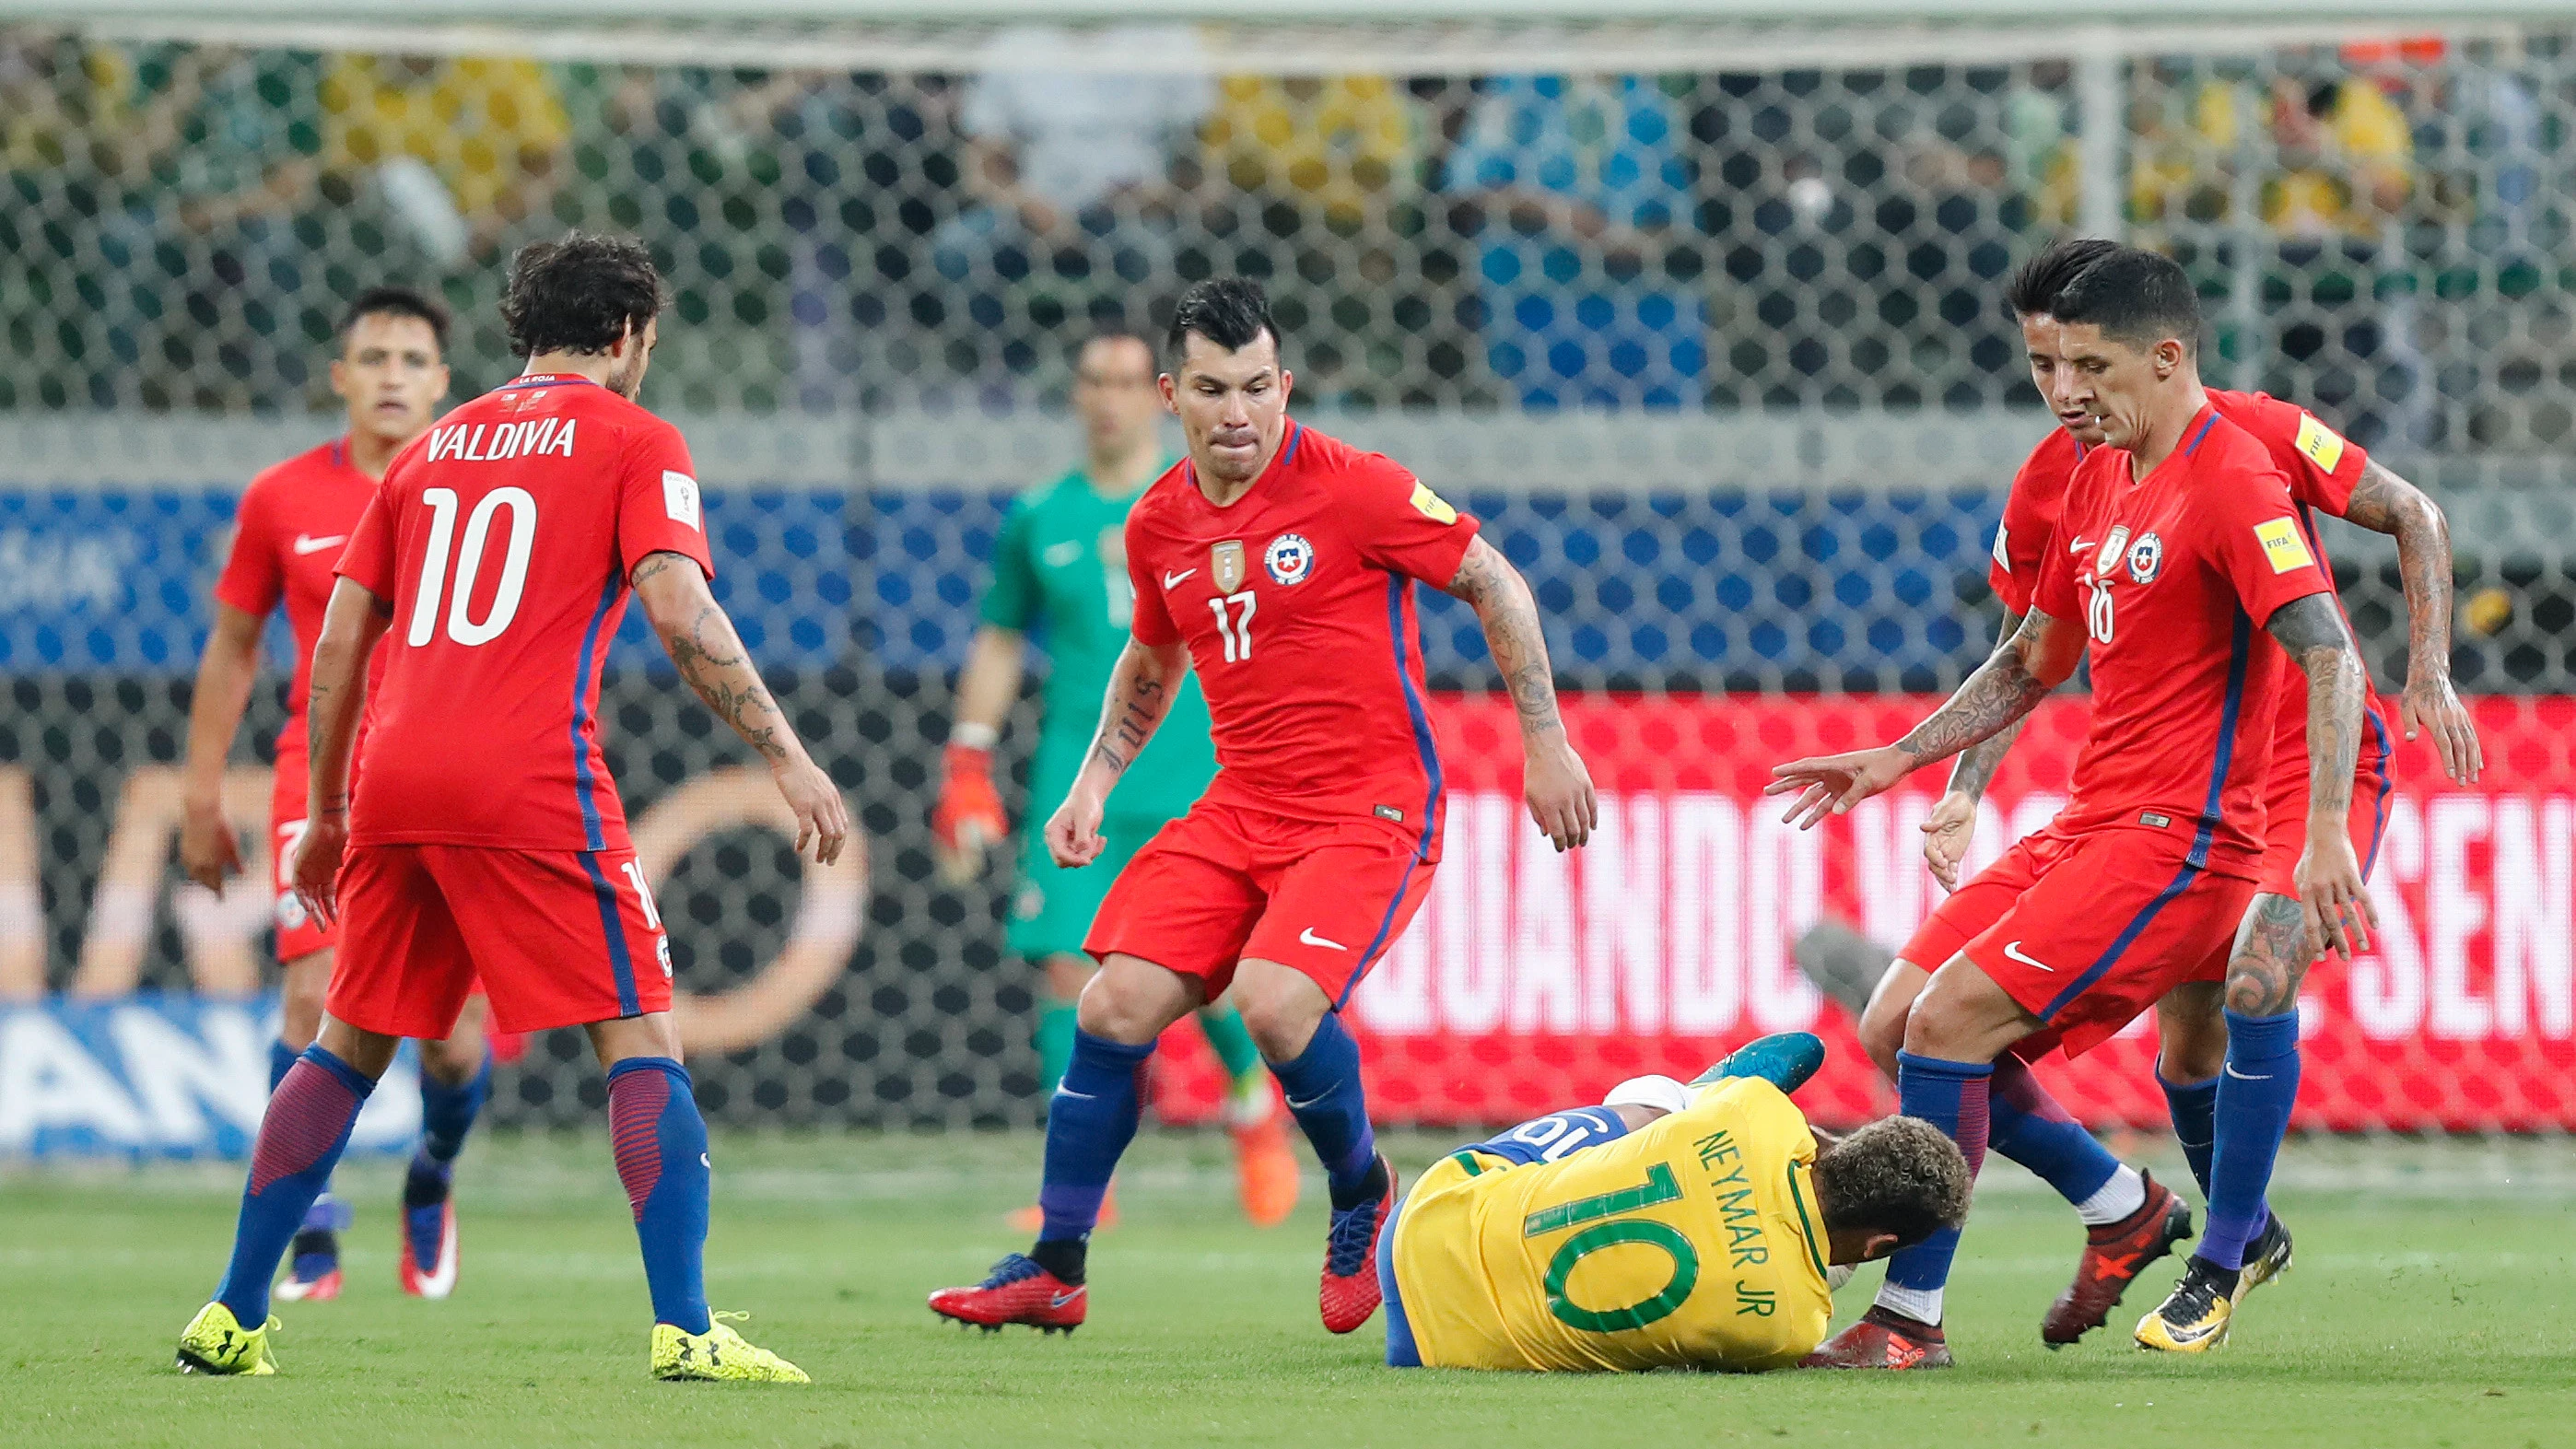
<point>2272,956</point>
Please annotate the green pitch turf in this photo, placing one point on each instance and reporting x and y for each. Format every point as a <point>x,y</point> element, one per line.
<point>2420,1313</point>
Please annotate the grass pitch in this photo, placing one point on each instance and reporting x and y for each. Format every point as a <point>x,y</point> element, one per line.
<point>2421,1312</point>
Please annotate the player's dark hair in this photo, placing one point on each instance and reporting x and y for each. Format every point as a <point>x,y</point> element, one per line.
<point>578,294</point>
<point>1228,311</point>
<point>394,301</point>
<point>2033,290</point>
<point>1897,1175</point>
<point>2137,297</point>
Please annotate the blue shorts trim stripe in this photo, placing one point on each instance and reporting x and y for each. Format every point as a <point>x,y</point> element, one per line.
<point>584,788</point>
<point>1430,753</point>
<point>2379,801</point>
<point>620,964</point>
<point>2240,651</point>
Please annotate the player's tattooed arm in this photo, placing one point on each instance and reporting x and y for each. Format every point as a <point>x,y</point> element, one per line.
<point>334,698</point>
<point>1503,604</point>
<point>2331,895</point>
<point>1952,824</point>
<point>700,638</point>
<point>2385,503</point>
<point>1976,765</point>
<point>1141,684</point>
<point>2038,657</point>
<point>703,646</point>
<point>1554,782</point>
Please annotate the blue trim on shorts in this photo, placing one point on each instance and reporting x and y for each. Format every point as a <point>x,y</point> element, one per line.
<point>1430,753</point>
<point>620,965</point>
<point>2387,782</point>
<point>1400,1349</point>
<point>2240,650</point>
<point>584,788</point>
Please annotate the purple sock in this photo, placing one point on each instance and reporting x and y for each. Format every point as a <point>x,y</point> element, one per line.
<point>2255,1095</point>
<point>2033,1129</point>
<point>1955,1097</point>
<point>301,1137</point>
<point>1089,1124</point>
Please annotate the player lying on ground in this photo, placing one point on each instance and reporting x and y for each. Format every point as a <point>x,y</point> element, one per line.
<point>1060,567</point>
<point>1279,564</point>
<point>287,537</point>
<point>1673,1226</point>
<point>2131,1220</point>
<point>487,839</point>
<point>2177,540</point>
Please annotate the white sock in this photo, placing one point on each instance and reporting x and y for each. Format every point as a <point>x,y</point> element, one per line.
<point>2124,1194</point>
<point>1659,1092</point>
<point>1923,1305</point>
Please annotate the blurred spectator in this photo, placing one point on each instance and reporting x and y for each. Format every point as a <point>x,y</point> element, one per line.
<point>1571,186</point>
<point>464,149</point>
<point>1347,145</point>
<point>1068,170</point>
<point>2041,159</point>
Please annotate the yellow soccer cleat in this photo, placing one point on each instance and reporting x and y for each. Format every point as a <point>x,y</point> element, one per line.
<point>216,1343</point>
<point>718,1355</point>
<point>2194,1317</point>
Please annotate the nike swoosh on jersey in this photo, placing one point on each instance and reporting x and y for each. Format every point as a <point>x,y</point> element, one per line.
<point>1308,937</point>
<point>305,543</point>
<point>2013,949</point>
<point>2080,544</point>
<point>1170,579</point>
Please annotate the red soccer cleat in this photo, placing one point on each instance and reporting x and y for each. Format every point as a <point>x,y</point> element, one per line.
<point>1017,1291</point>
<point>2114,1255</point>
<point>1883,1339</point>
<point>1350,1293</point>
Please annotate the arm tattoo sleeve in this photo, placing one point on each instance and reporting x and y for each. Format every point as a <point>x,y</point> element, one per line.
<point>710,656</point>
<point>1976,765</point>
<point>1137,699</point>
<point>1513,634</point>
<point>2312,632</point>
<point>1997,696</point>
<point>2385,503</point>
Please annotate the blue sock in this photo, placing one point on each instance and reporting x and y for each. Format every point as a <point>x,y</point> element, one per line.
<point>2255,1095</point>
<point>2195,1117</point>
<point>301,1135</point>
<point>2033,1130</point>
<point>1955,1097</point>
<point>280,1057</point>
<point>1324,1094</point>
<point>447,1113</point>
<point>1089,1123</point>
<point>661,1145</point>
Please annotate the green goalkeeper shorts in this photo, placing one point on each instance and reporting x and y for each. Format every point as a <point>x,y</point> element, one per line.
<point>1052,909</point>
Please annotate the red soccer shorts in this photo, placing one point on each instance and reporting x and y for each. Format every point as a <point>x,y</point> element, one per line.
<point>559,937</point>
<point>298,934</point>
<point>1225,882</point>
<point>2111,920</point>
<point>2285,822</point>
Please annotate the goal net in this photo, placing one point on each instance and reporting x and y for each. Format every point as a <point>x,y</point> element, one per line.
<point>1702,319</point>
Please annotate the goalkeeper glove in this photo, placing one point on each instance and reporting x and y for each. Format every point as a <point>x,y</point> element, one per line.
<point>969,815</point>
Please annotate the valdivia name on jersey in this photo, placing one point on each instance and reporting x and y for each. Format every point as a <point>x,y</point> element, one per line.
<point>493,442</point>
<point>1289,557</point>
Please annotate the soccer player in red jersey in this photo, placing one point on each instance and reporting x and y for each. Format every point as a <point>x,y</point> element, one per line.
<point>486,839</point>
<point>1279,563</point>
<point>2131,1220</point>
<point>2177,542</point>
<point>287,537</point>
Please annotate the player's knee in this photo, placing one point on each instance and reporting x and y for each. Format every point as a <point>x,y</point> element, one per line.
<point>2191,1033</point>
<point>306,989</point>
<point>454,1062</point>
<point>1963,1016</point>
<point>1882,1022</point>
<point>1280,1008</point>
<point>1114,1008</point>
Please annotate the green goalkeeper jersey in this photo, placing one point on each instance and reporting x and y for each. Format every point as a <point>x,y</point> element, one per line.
<point>1060,573</point>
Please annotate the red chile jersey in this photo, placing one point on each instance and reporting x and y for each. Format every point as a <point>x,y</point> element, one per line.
<point>1296,602</point>
<point>2173,580</point>
<point>503,540</point>
<point>2322,468</point>
<point>294,519</point>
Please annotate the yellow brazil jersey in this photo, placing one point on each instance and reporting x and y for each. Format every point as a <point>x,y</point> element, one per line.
<point>1693,1241</point>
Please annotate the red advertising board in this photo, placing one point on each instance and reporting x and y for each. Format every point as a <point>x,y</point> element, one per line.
<point>1533,980</point>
